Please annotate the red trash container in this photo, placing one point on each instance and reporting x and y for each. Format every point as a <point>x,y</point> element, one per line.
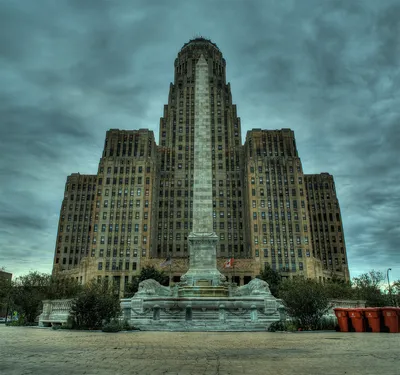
<point>391,318</point>
<point>343,318</point>
<point>357,319</point>
<point>373,314</point>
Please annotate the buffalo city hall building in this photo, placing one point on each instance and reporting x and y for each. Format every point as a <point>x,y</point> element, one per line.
<point>138,209</point>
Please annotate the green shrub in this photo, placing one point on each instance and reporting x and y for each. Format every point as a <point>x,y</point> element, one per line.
<point>273,278</point>
<point>96,305</point>
<point>113,326</point>
<point>305,302</point>
<point>327,324</point>
<point>280,325</point>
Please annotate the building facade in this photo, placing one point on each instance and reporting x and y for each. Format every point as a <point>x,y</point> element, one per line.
<point>140,207</point>
<point>326,227</point>
<point>73,240</point>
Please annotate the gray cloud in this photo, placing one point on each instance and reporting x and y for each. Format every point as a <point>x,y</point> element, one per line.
<point>71,69</point>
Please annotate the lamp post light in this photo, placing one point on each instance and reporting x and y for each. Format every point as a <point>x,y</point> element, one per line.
<point>390,290</point>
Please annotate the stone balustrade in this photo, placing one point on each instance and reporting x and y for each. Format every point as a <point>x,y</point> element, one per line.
<point>55,312</point>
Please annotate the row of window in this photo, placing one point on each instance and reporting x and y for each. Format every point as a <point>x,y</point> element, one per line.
<point>278,241</point>
<point>117,266</point>
<point>123,216</point>
<point>121,253</point>
<point>273,180</point>
<point>275,169</point>
<point>123,204</point>
<point>266,253</point>
<point>119,240</point>
<point>124,181</point>
<point>116,227</point>
<point>81,187</point>
<point>125,170</point>
<point>277,228</point>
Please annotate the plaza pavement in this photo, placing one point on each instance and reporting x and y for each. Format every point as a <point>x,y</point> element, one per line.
<point>45,351</point>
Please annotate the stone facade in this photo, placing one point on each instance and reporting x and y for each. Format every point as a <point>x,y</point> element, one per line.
<point>141,207</point>
<point>73,240</point>
<point>326,228</point>
<point>277,211</point>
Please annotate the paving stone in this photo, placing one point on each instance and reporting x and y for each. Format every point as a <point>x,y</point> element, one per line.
<point>45,351</point>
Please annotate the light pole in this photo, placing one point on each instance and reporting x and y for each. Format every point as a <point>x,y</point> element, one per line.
<point>390,290</point>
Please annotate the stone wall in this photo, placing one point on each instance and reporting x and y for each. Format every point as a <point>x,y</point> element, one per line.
<point>55,312</point>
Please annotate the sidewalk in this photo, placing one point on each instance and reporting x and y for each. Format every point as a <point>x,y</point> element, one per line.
<point>45,352</point>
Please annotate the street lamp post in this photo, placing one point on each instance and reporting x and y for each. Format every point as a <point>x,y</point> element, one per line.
<point>390,290</point>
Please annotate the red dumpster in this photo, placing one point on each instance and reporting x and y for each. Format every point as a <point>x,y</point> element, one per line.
<point>343,318</point>
<point>391,318</point>
<point>373,314</point>
<point>357,319</point>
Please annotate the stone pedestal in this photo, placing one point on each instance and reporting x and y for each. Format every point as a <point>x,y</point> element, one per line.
<point>250,313</point>
<point>203,261</point>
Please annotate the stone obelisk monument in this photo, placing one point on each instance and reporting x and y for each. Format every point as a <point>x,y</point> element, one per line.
<point>202,240</point>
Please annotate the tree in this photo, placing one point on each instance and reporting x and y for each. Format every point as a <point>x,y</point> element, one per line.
<point>62,287</point>
<point>273,278</point>
<point>27,294</point>
<point>148,272</point>
<point>28,291</point>
<point>395,292</point>
<point>5,291</point>
<point>95,305</point>
<point>339,288</point>
<point>368,287</point>
<point>305,301</point>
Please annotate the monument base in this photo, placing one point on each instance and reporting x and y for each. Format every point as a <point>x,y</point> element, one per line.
<point>203,291</point>
<point>202,308</point>
<point>203,260</point>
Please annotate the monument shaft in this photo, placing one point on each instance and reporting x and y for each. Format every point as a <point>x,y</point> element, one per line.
<point>202,240</point>
<point>202,189</point>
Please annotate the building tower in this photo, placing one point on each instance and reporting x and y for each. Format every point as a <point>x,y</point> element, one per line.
<point>177,157</point>
<point>73,235</point>
<point>326,226</point>
<point>277,212</point>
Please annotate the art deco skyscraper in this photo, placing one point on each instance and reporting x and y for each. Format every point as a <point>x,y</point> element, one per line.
<point>138,209</point>
<point>177,157</point>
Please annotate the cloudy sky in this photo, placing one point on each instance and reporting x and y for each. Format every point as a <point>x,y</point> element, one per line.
<point>71,69</point>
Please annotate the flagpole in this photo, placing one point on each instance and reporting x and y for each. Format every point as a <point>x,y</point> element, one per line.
<point>233,266</point>
<point>170,270</point>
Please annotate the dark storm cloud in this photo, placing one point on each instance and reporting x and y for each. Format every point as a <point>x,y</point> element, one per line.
<point>70,70</point>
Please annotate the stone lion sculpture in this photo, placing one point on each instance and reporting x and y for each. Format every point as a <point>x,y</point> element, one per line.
<point>152,287</point>
<point>253,288</point>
